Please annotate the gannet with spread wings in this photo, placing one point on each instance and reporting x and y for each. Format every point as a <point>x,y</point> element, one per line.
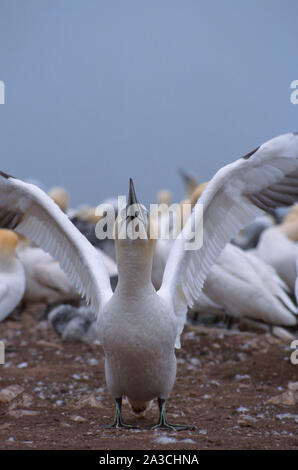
<point>138,326</point>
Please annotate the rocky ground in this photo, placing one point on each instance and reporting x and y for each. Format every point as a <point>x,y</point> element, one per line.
<point>239,389</point>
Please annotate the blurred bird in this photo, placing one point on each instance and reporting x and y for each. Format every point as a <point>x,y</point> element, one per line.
<point>60,196</point>
<point>276,249</point>
<point>245,286</point>
<point>137,326</point>
<point>12,276</point>
<point>248,237</point>
<point>74,324</point>
<point>45,280</point>
<point>190,182</point>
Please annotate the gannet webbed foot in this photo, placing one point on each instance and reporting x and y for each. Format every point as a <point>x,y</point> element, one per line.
<point>163,424</point>
<point>119,423</point>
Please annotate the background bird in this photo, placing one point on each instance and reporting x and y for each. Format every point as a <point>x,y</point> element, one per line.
<point>12,275</point>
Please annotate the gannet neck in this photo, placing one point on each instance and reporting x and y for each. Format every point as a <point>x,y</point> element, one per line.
<point>134,260</point>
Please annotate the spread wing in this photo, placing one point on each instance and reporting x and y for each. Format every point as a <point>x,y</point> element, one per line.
<point>26,209</point>
<point>264,179</point>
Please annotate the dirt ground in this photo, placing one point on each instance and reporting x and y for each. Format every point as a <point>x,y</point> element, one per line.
<point>224,385</point>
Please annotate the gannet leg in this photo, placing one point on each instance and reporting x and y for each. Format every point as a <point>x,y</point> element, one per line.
<point>118,423</point>
<point>163,424</point>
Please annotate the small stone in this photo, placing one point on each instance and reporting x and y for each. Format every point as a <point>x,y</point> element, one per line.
<point>293,386</point>
<point>8,394</point>
<point>92,361</point>
<point>21,413</point>
<point>78,419</point>
<point>203,431</point>
<point>240,377</point>
<point>23,365</point>
<point>287,398</point>
<point>88,400</point>
<point>246,421</point>
<point>65,425</point>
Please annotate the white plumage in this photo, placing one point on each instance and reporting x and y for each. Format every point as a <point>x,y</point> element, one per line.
<point>276,249</point>
<point>12,276</point>
<point>246,286</point>
<point>139,327</point>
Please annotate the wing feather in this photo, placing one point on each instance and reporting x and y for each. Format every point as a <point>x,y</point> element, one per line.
<point>265,178</point>
<point>26,209</point>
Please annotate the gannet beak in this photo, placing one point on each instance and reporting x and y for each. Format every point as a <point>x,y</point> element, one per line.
<point>135,210</point>
<point>132,198</point>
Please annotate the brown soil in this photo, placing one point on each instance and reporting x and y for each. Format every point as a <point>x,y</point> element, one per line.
<point>224,381</point>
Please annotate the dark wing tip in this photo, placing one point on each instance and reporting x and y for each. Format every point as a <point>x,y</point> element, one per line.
<point>5,175</point>
<point>248,155</point>
<point>186,178</point>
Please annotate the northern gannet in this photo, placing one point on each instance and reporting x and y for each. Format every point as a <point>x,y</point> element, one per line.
<point>12,276</point>
<point>60,196</point>
<point>138,326</point>
<point>277,249</point>
<point>245,286</point>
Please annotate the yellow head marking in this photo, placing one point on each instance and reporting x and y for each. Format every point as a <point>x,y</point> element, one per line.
<point>164,197</point>
<point>8,243</point>
<point>60,197</point>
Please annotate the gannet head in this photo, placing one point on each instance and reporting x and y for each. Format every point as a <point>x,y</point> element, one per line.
<point>60,197</point>
<point>134,225</point>
<point>164,197</point>
<point>135,236</point>
<point>8,243</point>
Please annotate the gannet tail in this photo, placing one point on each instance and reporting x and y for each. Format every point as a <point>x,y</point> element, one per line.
<point>139,407</point>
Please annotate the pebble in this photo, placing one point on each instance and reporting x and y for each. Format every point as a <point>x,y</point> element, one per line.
<point>78,419</point>
<point>242,409</point>
<point>9,393</point>
<point>23,365</point>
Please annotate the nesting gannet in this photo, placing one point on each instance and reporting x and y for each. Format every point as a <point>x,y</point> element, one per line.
<point>246,286</point>
<point>60,196</point>
<point>277,249</point>
<point>248,238</point>
<point>12,276</point>
<point>45,280</point>
<point>139,327</point>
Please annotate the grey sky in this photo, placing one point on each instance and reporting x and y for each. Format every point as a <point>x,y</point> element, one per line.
<point>100,90</point>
